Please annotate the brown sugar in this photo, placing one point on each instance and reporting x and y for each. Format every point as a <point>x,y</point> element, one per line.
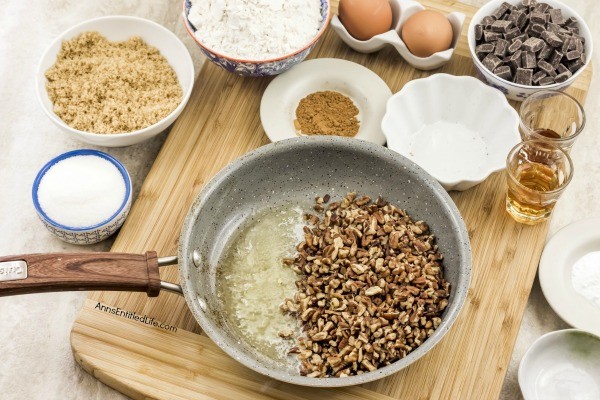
<point>327,113</point>
<point>108,87</point>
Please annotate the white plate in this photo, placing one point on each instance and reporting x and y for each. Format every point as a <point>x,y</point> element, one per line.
<point>562,251</point>
<point>281,98</point>
<point>562,365</point>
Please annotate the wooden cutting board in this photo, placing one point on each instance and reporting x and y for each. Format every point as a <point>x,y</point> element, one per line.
<point>163,354</point>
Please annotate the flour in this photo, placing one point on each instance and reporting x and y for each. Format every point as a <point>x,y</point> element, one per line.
<point>585,277</point>
<point>255,29</point>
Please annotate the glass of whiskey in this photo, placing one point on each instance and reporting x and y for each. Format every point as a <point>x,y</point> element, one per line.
<point>552,116</point>
<point>538,172</point>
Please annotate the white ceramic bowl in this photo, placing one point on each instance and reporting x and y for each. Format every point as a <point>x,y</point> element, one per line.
<point>90,234</point>
<point>455,127</point>
<point>562,365</point>
<point>401,11</point>
<point>119,28</point>
<point>512,90</point>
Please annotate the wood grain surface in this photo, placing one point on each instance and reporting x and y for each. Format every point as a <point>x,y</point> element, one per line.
<point>60,272</point>
<point>220,123</point>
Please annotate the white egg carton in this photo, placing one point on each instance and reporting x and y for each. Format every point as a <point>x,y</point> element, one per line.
<point>401,11</point>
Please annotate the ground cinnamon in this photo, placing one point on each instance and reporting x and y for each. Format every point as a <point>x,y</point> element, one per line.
<point>327,113</point>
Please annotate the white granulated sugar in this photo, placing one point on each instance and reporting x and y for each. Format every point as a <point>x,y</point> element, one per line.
<point>585,277</point>
<point>81,191</point>
<point>255,29</point>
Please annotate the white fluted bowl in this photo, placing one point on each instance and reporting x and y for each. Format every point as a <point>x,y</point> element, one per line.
<point>455,127</point>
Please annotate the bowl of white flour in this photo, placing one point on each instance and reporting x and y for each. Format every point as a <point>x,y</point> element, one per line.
<point>256,37</point>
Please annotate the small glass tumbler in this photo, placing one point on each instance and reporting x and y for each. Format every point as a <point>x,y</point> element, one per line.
<point>551,116</point>
<point>538,172</point>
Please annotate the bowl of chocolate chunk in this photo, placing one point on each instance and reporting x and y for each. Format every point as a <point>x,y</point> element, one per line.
<point>521,46</point>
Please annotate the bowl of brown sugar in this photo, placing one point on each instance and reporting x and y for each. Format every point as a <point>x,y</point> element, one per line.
<point>115,81</point>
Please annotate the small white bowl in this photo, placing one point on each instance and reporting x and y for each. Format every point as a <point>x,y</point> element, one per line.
<point>366,89</point>
<point>455,127</point>
<point>119,28</point>
<point>91,234</point>
<point>562,365</point>
<point>401,11</point>
<point>514,91</point>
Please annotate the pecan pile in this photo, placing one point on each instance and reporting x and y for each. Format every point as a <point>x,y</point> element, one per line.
<point>370,287</point>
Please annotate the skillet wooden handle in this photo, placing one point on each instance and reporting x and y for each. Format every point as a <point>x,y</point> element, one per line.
<point>59,272</point>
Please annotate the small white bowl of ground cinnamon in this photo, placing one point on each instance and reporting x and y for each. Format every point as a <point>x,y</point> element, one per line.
<point>325,97</point>
<point>115,81</point>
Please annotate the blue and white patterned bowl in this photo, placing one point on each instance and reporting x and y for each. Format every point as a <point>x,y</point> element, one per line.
<point>269,67</point>
<point>514,91</point>
<point>92,234</point>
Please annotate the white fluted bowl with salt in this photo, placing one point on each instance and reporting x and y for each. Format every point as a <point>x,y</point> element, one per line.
<point>82,196</point>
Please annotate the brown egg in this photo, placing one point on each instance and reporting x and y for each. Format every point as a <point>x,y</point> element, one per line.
<point>427,32</point>
<point>364,19</point>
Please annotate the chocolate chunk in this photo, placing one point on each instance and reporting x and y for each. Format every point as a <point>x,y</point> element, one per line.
<point>571,21</point>
<point>573,55</point>
<point>524,76</point>
<point>490,36</point>
<point>515,59</point>
<point>536,30</point>
<point>528,60</point>
<point>512,33</point>
<point>484,49</point>
<point>583,58</point>
<point>546,81</point>
<point>566,45</point>
<point>522,37</point>
<point>516,45</point>
<point>500,11</point>
<point>580,38</point>
<point>545,66</point>
<point>491,62</point>
<point>538,76</point>
<point>501,26</point>
<point>555,59</point>
<point>529,3</point>
<point>517,17</point>
<point>553,27</point>
<point>563,77</point>
<point>575,65</point>
<point>552,39</point>
<point>533,44</point>
<point>545,52</point>
<point>579,45</point>
<point>541,8</point>
<point>561,68</point>
<point>478,32</point>
<point>556,16</point>
<point>501,47</point>
<point>489,20</point>
<point>521,24</point>
<point>503,72</point>
<point>573,29</point>
<point>538,18</point>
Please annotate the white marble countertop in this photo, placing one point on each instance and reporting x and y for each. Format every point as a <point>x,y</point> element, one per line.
<point>35,354</point>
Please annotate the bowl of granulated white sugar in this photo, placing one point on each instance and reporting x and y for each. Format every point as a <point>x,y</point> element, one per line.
<point>82,196</point>
<point>256,37</point>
